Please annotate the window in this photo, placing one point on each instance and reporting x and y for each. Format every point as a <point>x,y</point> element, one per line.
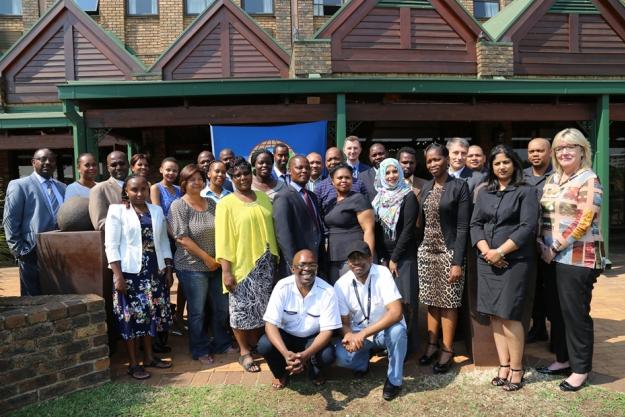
<point>142,7</point>
<point>258,6</point>
<point>11,7</point>
<point>326,7</point>
<point>485,9</point>
<point>89,6</point>
<point>193,7</point>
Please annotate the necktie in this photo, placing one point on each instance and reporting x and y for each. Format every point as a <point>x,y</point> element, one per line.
<point>53,201</point>
<point>309,205</point>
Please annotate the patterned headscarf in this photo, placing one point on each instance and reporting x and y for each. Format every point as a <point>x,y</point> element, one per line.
<point>388,201</point>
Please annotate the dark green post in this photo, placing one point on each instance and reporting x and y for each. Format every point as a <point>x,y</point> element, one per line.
<point>341,121</point>
<point>601,163</point>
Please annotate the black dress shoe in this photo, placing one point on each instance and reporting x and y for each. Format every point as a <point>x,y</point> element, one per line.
<point>546,371</point>
<point>566,387</point>
<point>390,391</point>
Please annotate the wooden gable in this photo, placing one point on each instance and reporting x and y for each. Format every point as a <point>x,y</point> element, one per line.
<point>403,36</point>
<point>570,37</point>
<point>66,44</point>
<point>224,42</point>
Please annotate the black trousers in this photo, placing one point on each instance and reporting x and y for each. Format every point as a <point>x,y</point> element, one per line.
<point>569,290</point>
<point>29,274</point>
<point>539,309</point>
<point>276,362</point>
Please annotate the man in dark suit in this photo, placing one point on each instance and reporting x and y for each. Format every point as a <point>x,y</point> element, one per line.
<point>458,149</point>
<point>352,150</point>
<point>377,154</point>
<point>296,216</point>
<point>407,158</point>
<point>30,208</point>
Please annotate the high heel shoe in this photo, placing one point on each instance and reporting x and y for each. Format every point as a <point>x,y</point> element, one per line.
<point>427,359</point>
<point>442,368</point>
<point>514,386</point>
<point>498,381</point>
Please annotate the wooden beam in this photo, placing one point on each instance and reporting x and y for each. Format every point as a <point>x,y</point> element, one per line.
<point>462,112</point>
<point>193,116</point>
<point>17,142</point>
<point>617,111</point>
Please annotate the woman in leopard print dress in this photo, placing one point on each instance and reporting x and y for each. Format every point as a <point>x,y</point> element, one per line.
<point>444,223</point>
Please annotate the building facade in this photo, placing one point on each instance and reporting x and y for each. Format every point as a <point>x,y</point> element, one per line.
<point>153,75</point>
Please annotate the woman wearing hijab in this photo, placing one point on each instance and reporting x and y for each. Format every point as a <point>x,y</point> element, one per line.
<point>396,210</point>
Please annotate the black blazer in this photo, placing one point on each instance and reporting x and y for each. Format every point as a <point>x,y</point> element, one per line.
<point>405,244</point>
<point>295,229</point>
<point>368,180</point>
<point>455,213</point>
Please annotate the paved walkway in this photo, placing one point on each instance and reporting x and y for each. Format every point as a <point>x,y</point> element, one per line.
<point>609,358</point>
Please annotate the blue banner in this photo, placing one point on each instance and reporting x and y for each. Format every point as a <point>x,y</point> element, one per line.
<point>301,138</point>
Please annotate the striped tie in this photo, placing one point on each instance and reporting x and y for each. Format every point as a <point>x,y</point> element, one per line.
<point>53,201</point>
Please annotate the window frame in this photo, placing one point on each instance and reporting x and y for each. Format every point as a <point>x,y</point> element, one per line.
<point>186,10</point>
<point>142,14</point>
<point>486,2</point>
<point>20,12</point>
<point>272,13</point>
<point>322,5</point>
<point>95,12</point>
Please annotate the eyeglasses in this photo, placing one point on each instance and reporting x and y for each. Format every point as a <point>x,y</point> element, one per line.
<point>567,148</point>
<point>302,267</point>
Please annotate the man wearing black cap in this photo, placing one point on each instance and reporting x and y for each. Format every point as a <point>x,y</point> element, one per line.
<point>371,313</point>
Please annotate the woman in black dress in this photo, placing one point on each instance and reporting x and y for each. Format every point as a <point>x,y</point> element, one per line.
<point>503,228</point>
<point>348,217</point>
<point>396,210</point>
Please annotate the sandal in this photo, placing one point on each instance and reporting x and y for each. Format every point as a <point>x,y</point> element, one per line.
<point>138,372</point>
<point>157,363</point>
<point>249,366</point>
<point>442,368</point>
<point>427,359</point>
<point>514,386</point>
<point>499,381</point>
<point>280,383</point>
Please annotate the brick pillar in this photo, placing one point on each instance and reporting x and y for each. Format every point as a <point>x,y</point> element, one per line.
<point>495,59</point>
<point>112,15</point>
<point>283,22</point>
<point>305,17</point>
<point>30,13</point>
<point>313,56</point>
<point>171,21</point>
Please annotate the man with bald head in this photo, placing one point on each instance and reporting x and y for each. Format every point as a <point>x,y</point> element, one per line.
<point>30,207</point>
<point>539,157</point>
<point>108,192</point>
<point>299,320</point>
<point>296,215</point>
<point>316,170</point>
<point>326,193</point>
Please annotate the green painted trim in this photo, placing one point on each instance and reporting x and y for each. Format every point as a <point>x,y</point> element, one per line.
<point>341,121</point>
<point>602,164</point>
<point>34,108</point>
<point>413,4</point>
<point>33,120</point>
<point>498,25</point>
<point>161,89</point>
<point>574,6</point>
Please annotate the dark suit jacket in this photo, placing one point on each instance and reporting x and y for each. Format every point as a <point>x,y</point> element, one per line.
<point>368,179</point>
<point>27,212</point>
<point>295,229</point>
<point>473,178</point>
<point>455,214</point>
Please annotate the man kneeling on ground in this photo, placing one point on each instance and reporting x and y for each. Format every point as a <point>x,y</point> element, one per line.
<point>299,320</point>
<point>371,313</point>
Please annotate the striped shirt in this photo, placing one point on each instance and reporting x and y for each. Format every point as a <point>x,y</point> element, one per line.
<point>571,217</point>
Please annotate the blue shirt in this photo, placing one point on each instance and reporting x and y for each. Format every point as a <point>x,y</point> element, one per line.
<point>208,193</point>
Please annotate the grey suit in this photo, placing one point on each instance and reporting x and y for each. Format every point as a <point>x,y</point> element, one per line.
<point>101,197</point>
<point>473,178</point>
<point>368,180</point>
<point>295,228</point>
<point>27,212</point>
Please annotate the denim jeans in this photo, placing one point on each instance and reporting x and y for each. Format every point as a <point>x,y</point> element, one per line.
<point>218,313</point>
<point>195,286</point>
<point>394,339</point>
<point>277,364</point>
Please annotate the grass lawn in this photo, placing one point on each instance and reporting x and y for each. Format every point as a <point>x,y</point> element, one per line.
<point>466,394</point>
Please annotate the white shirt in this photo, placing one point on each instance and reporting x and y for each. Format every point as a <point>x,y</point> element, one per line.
<point>383,292</point>
<point>76,189</point>
<point>299,316</point>
<point>455,174</point>
<point>44,188</point>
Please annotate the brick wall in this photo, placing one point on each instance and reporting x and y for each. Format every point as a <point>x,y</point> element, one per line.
<point>171,19</point>
<point>494,59</point>
<point>319,21</point>
<point>142,39</point>
<point>30,12</point>
<point>50,346</point>
<point>306,26</point>
<point>268,23</point>
<point>11,24</point>
<point>311,57</point>
<point>468,4</point>
<point>187,20</point>
<point>112,15</point>
<point>282,12</point>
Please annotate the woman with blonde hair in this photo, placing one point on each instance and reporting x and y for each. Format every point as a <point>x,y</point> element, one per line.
<point>572,245</point>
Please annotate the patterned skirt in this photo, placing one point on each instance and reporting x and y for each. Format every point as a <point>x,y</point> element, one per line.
<point>249,299</point>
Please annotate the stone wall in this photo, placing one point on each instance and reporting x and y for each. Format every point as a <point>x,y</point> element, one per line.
<point>50,346</point>
<point>494,59</point>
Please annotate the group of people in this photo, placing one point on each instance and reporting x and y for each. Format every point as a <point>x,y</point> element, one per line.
<point>309,270</point>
